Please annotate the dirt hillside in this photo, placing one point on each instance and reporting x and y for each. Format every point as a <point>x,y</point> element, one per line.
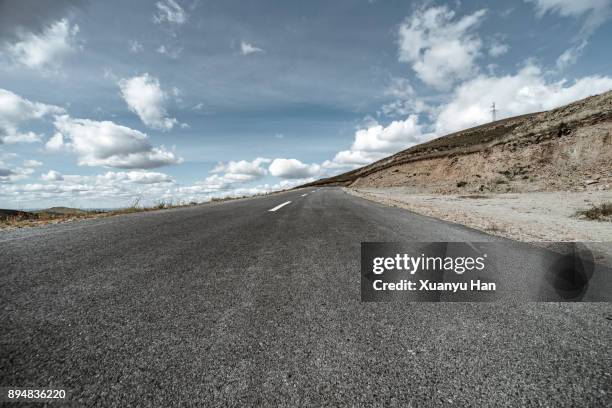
<point>568,148</point>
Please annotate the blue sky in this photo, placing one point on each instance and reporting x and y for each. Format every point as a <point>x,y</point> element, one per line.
<point>105,102</point>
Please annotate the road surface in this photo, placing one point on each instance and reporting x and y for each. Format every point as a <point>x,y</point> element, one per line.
<point>234,304</point>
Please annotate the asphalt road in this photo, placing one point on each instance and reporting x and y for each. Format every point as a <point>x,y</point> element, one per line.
<point>235,305</point>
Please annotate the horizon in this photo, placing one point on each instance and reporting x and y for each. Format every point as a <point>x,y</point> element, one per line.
<point>190,100</point>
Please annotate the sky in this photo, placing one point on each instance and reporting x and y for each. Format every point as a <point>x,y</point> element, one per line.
<point>106,103</point>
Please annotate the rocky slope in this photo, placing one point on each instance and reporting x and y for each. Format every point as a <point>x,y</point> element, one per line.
<point>568,148</point>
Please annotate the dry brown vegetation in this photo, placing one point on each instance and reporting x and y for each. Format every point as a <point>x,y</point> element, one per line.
<point>601,212</point>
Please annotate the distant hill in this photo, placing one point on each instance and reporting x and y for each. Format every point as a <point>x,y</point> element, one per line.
<point>62,211</point>
<point>565,148</point>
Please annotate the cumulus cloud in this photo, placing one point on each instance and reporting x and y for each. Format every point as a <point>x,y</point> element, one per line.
<point>293,169</point>
<point>247,48</point>
<point>46,49</point>
<point>88,191</point>
<point>226,176</point>
<point>243,170</point>
<point>377,141</point>
<point>144,97</point>
<point>52,175</point>
<point>135,176</point>
<point>108,144</point>
<point>526,91</point>
<point>10,174</point>
<point>15,111</point>
<point>440,48</point>
<point>206,191</point>
<point>169,11</point>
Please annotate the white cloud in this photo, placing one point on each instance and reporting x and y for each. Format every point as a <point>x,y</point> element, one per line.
<point>32,163</point>
<point>352,159</point>
<point>122,188</point>
<point>496,49</point>
<point>211,184</point>
<point>169,11</point>
<point>108,144</point>
<point>170,52</point>
<point>11,175</point>
<point>594,12</point>
<point>226,176</point>
<point>293,169</point>
<point>144,96</point>
<point>401,108</point>
<point>376,142</point>
<point>406,102</point>
<point>441,49</point>
<point>207,190</point>
<point>136,176</point>
<point>400,88</point>
<point>243,170</point>
<point>52,175</point>
<point>571,8</point>
<point>527,91</point>
<point>48,49</point>
<point>570,56</point>
<point>113,188</point>
<point>135,47</point>
<point>15,111</point>
<point>247,48</point>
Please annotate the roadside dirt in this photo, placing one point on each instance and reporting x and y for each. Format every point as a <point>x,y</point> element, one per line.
<point>536,216</point>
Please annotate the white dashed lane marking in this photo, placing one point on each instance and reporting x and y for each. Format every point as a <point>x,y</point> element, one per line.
<point>279,206</point>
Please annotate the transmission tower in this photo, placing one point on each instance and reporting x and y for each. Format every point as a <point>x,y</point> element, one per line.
<point>493,112</point>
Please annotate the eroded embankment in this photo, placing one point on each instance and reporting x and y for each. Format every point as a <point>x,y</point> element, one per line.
<point>578,160</point>
<point>564,149</point>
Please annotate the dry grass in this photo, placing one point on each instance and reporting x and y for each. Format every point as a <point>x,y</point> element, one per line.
<point>602,212</point>
<point>34,219</point>
<point>475,196</point>
<point>494,228</point>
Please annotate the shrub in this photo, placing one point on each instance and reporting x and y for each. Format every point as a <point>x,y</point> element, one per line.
<point>597,212</point>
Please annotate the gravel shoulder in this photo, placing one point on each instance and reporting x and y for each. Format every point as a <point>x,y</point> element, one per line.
<point>535,216</point>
